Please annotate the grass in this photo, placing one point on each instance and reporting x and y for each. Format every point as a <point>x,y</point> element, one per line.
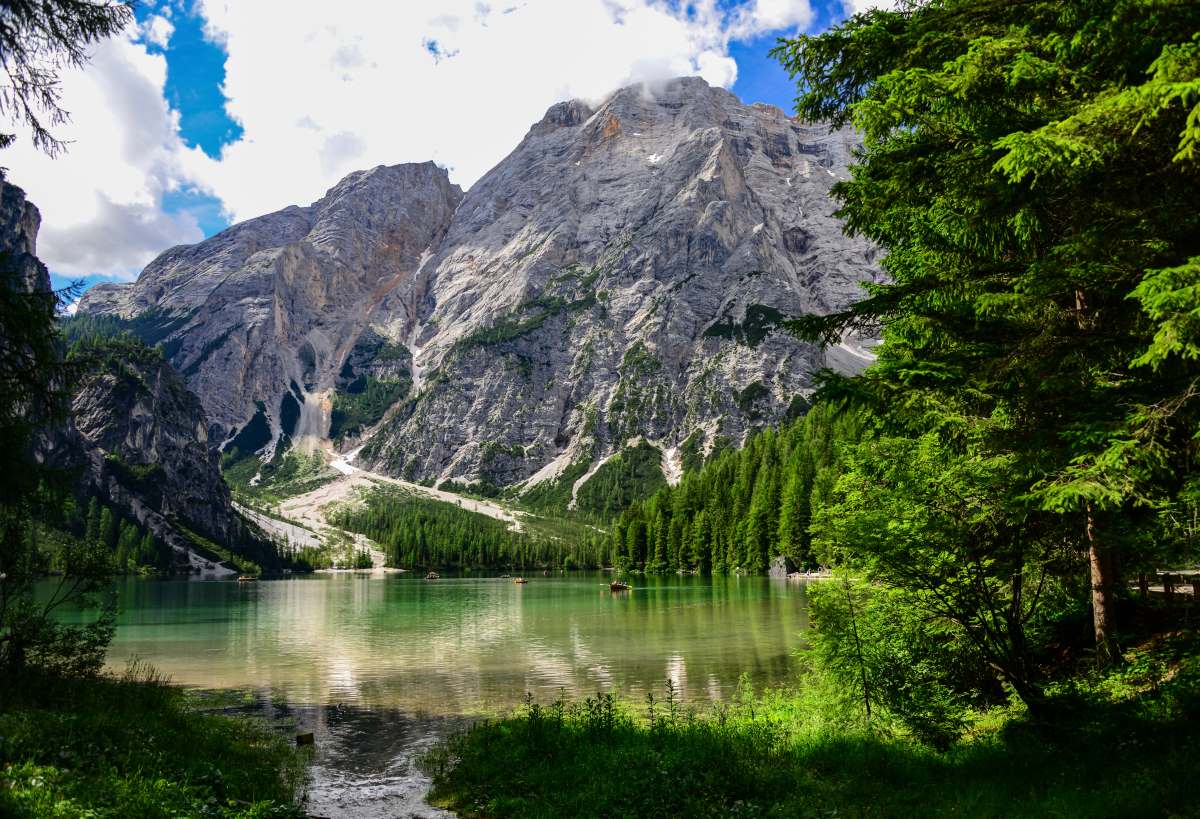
<point>1122,744</point>
<point>287,475</point>
<point>217,553</point>
<point>109,747</point>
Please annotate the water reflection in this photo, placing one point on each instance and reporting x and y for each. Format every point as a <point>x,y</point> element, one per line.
<point>459,645</point>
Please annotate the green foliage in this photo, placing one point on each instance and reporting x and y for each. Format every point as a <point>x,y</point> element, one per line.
<point>43,528</point>
<point>417,532</point>
<point>743,507</point>
<point>1029,171</point>
<point>528,317</point>
<point>554,495</point>
<point>800,753</point>
<point>133,747</point>
<point>151,327</point>
<point>287,474</point>
<point>747,399</point>
<point>217,553</point>
<point>757,324</point>
<point>624,478</point>
<point>36,42</point>
<point>891,662</point>
<point>362,404</point>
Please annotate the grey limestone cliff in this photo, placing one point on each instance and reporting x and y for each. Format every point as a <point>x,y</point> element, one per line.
<point>620,275</point>
<point>134,434</point>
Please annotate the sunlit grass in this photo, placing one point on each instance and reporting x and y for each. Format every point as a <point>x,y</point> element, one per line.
<point>807,752</point>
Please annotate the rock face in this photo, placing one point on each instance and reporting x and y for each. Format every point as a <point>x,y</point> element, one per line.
<point>267,312</point>
<point>19,224</point>
<point>619,276</point>
<point>138,437</point>
<point>135,434</point>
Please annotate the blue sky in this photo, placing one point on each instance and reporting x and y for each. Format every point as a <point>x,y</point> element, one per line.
<point>254,116</point>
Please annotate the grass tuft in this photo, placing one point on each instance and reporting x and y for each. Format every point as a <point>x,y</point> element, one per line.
<point>131,746</point>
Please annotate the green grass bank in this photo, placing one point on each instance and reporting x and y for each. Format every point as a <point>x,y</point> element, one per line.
<point>1123,743</point>
<point>134,746</point>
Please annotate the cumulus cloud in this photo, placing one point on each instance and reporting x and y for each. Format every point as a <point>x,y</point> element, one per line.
<point>157,30</point>
<point>458,81</point>
<point>101,201</point>
<point>323,89</point>
<point>859,6</point>
<point>117,240</point>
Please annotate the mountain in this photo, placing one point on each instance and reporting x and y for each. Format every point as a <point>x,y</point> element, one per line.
<point>134,436</point>
<point>618,278</point>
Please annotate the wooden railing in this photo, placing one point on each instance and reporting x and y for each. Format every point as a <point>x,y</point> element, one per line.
<point>1170,585</point>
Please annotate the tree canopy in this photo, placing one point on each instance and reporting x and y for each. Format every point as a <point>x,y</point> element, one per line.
<point>1030,170</point>
<point>38,39</point>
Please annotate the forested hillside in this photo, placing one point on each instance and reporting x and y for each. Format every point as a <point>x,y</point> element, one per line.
<point>743,507</point>
<point>417,533</point>
<point>131,472</point>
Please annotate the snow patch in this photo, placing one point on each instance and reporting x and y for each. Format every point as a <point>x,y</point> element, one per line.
<point>856,350</point>
<point>654,159</point>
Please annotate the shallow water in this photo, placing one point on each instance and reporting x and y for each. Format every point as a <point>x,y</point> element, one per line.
<point>380,666</point>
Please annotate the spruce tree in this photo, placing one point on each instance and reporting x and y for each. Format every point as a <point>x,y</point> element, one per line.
<point>1030,172</point>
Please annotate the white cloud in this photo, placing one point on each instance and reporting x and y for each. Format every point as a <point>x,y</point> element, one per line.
<point>157,30</point>
<point>761,16</point>
<point>323,89</point>
<point>859,6</point>
<point>101,201</point>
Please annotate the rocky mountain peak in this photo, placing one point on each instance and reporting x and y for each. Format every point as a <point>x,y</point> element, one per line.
<point>619,276</point>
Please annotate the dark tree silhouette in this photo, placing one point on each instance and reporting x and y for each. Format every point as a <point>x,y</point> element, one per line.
<point>38,39</point>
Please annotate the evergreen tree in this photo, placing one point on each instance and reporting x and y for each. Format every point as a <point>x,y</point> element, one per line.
<point>107,534</point>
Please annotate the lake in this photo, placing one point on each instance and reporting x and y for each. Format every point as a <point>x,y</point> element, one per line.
<point>380,666</point>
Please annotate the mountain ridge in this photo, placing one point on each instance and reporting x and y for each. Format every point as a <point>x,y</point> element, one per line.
<point>619,275</point>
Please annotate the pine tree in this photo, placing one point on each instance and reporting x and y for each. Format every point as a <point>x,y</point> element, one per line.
<point>1030,171</point>
<point>91,532</point>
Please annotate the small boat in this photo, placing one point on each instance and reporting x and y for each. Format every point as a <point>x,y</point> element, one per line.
<point>520,580</point>
<point>432,576</point>
<point>247,578</point>
<point>618,585</point>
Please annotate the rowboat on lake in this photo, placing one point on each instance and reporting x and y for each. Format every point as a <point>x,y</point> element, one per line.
<point>618,585</point>
<point>520,580</point>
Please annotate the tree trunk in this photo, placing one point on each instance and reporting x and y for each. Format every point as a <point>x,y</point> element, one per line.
<point>1100,566</point>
